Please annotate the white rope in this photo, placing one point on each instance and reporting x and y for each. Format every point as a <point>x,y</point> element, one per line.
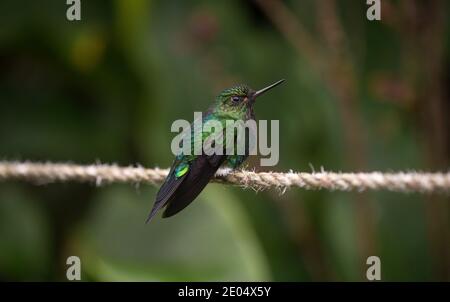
<point>43,173</point>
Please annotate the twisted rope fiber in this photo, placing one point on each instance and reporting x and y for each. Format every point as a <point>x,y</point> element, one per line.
<point>43,173</point>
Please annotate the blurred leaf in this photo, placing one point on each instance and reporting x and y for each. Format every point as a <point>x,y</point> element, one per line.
<point>25,242</point>
<point>211,240</point>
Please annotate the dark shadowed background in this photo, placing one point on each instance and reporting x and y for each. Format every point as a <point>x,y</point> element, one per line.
<point>359,96</point>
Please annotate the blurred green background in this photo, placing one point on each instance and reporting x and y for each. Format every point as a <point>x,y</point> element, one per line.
<point>359,96</point>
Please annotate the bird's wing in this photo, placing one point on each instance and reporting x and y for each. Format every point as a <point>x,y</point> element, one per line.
<point>187,178</point>
<point>170,185</point>
<point>201,170</point>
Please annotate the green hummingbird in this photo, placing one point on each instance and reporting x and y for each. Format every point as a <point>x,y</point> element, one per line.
<point>190,173</point>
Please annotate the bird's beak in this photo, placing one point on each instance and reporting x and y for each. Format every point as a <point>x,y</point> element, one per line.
<point>262,91</point>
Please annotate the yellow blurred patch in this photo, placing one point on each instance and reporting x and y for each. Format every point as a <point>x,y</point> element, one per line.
<point>87,51</point>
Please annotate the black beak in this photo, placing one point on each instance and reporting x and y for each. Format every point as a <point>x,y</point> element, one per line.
<point>262,91</point>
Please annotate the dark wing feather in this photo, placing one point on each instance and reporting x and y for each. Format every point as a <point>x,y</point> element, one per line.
<point>200,172</point>
<point>166,191</point>
<point>177,193</point>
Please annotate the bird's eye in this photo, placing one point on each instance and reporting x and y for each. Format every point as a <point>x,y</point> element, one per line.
<point>235,99</point>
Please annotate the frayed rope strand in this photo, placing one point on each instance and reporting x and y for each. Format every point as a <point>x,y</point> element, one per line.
<point>44,173</point>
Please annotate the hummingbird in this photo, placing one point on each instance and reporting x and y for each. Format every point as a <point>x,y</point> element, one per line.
<point>189,174</point>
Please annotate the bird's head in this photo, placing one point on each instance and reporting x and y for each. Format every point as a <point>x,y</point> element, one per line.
<point>240,98</point>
